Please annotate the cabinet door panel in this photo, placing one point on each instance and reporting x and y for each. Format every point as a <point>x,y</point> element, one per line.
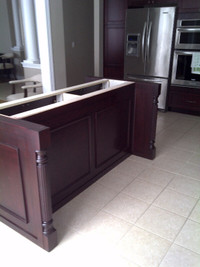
<point>114,23</point>
<point>189,6</point>
<point>187,99</point>
<point>141,3</point>
<point>114,46</point>
<point>165,2</point>
<point>115,119</point>
<point>115,10</point>
<point>114,72</point>
<point>138,3</point>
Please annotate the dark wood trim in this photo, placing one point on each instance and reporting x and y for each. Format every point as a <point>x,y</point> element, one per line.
<point>24,192</point>
<point>48,230</point>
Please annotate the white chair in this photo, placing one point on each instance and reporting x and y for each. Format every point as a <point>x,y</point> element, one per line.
<point>33,83</point>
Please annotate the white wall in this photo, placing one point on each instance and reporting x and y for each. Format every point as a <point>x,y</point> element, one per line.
<point>98,38</point>
<point>58,43</point>
<point>6,41</point>
<point>76,32</point>
<point>79,39</point>
<point>50,33</point>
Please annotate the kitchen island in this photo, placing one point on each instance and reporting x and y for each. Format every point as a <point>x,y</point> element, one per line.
<point>54,145</point>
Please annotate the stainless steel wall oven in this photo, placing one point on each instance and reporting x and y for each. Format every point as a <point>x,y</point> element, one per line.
<point>182,70</point>
<point>187,48</point>
<point>188,34</point>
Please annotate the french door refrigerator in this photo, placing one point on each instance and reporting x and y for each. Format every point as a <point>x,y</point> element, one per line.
<point>148,43</point>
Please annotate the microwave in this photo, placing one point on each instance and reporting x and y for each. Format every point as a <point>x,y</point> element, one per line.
<point>188,34</point>
<point>182,73</point>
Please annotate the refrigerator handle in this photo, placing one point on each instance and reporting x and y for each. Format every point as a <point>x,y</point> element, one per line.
<point>143,41</point>
<point>148,40</point>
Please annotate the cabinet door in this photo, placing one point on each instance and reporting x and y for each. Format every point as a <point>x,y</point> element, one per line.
<point>114,25</point>
<point>164,2</point>
<point>184,101</point>
<point>115,11</point>
<point>138,3</point>
<point>25,201</point>
<point>182,98</point>
<point>114,52</point>
<point>141,3</point>
<point>189,6</point>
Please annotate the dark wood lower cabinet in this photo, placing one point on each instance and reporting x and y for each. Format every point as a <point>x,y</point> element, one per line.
<point>184,99</point>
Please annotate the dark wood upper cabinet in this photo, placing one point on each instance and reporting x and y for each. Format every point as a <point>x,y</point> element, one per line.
<point>137,3</point>
<point>114,38</point>
<point>115,11</point>
<point>165,2</point>
<point>186,6</point>
<point>141,3</point>
<point>114,26</point>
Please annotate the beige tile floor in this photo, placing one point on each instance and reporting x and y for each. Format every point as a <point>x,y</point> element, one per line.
<point>141,214</point>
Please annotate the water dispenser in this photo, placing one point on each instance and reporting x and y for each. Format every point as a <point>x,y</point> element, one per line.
<point>132,45</point>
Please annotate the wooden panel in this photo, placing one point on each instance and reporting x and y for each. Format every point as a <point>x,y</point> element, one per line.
<point>183,99</point>
<point>166,2</point>
<point>115,10</point>
<point>114,43</point>
<point>114,24</point>
<point>114,52</point>
<point>176,99</point>
<point>116,120</point>
<point>150,3</point>
<point>145,115</point>
<point>189,6</point>
<point>22,180</point>
<point>11,183</point>
<point>137,3</point>
<point>69,156</point>
<point>114,72</point>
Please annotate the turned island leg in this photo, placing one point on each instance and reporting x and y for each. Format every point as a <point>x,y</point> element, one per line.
<point>49,232</point>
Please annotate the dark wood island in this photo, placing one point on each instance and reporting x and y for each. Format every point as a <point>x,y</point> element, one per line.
<point>53,146</point>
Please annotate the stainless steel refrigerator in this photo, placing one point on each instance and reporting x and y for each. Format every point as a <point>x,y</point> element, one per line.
<point>148,43</point>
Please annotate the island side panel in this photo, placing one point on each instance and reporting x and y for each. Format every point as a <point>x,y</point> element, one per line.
<point>24,199</point>
<point>144,119</point>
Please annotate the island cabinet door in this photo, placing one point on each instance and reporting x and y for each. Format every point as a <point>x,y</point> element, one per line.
<point>145,118</point>
<point>24,191</point>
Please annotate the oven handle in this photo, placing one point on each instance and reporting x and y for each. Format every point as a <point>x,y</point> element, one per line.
<point>180,52</point>
<point>188,30</point>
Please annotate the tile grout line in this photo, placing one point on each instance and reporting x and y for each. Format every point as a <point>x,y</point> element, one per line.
<point>173,243</point>
<point>150,204</point>
<point>186,218</point>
